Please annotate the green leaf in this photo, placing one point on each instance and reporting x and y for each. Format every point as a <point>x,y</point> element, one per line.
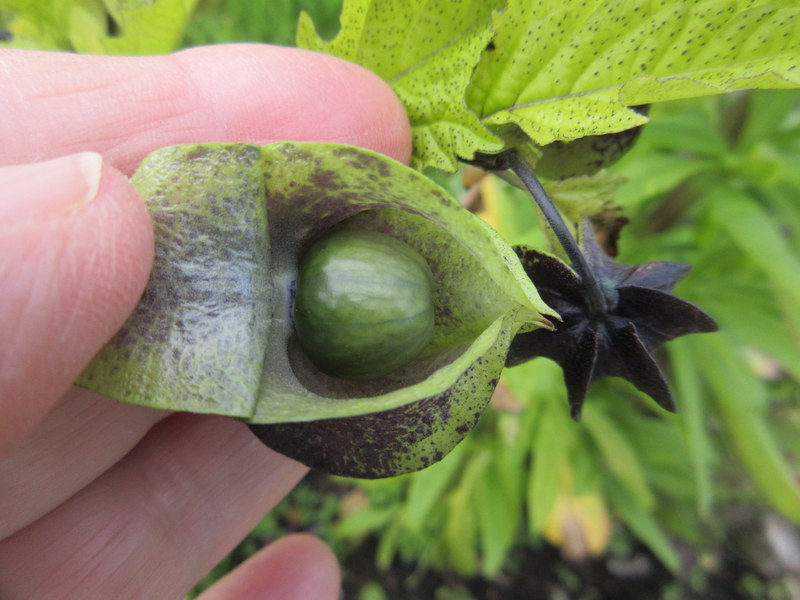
<point>461,527</point>
<point>427,52</point>
<point>214,334</point>
<point>748,293</point>
<point>551,444</point>
<point>87,26</point>
<point>740,400</point>
<point>427,488</point>
<point>550,70</point>
<point>498,503</point>
<point>363,522</point>
<point>692,417</point>
<point>372,591</point>
<point>782,200</point>
<point>619,454</point>
<point>759,237</point>
<point>689,131</point>
<point>388,545</point>
<point>585,195</point>
<point>139,26</point>
<point>567,69</point>
<point>36,24</point>
<point>766,113</point>
<point>145,27</point>
<point>664,173</point>
<point>644,525</point>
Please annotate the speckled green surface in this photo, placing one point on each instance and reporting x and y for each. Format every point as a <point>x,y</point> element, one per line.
<point>214,333</point>
<point>557,69</point>
<point>426,51</point>
<point>406,438</point>
<point>568,69</point>
<point>197,337</point>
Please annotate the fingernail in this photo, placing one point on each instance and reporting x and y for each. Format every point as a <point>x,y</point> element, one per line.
<point>54,187</point>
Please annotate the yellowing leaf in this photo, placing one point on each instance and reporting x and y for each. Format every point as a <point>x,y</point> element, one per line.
<point>579,524</point>
<point>490,203</point>
<point>472,73</point>
<point>568,69</point>
<point>427,52</point>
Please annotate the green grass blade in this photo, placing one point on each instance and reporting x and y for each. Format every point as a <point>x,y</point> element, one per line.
<point>758,236</point>
<point>619,454</point>
<point>692,418</point>
<point>427,488</point>
<point>740,400</point>
<point>644,526</point>
<point>550,447</point>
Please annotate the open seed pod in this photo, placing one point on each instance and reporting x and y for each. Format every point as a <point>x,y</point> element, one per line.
<point>214,331</point>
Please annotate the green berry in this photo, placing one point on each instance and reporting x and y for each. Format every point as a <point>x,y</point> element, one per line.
<point>364,304</point>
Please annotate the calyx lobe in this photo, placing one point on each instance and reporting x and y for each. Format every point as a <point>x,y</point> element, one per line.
<point>641,314</point>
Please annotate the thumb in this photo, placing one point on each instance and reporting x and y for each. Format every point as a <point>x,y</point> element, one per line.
<point>76,246</point>
<point>296,567</point>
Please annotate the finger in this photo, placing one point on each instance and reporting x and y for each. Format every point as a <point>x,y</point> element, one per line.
<point>83,436</point>
<point>372,119</point>
<point>297,567</point>
<point>155,523</point>
<point>126,107</point>
<point>76,246</point>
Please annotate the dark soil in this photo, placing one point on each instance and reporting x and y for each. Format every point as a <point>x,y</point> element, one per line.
<point>542,574</point>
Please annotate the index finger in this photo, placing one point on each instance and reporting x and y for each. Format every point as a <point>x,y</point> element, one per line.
<point>126,107</point>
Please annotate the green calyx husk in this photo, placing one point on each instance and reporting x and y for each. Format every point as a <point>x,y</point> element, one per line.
<point>214,333</point>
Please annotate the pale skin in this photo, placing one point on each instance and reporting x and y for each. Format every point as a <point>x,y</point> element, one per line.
<point>100,499</point>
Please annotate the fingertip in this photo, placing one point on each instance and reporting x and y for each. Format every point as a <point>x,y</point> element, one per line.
<point>296,567</point>
<point>76,246</point>
<point>127,107</point>
<point>369,108</point>
<point>295,94</point>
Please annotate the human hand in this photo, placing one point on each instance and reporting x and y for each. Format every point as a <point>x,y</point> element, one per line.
<point>100,499</point>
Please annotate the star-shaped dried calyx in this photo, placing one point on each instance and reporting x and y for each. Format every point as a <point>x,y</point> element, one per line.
<point>613,333</point>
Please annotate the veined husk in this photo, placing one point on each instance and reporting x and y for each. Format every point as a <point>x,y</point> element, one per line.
<point>213,331</point>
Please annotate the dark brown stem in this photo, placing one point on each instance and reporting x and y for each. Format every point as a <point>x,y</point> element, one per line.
<point>593,293</point>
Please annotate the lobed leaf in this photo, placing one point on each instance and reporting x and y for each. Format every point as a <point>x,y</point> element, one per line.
<point>426,51</point>
<point>568,69</point>
<point>474,73</point>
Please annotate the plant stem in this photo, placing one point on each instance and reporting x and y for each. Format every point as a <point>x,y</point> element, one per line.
<point>593,292</point>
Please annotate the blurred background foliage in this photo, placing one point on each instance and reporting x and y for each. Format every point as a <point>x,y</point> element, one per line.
<point>632,502</point>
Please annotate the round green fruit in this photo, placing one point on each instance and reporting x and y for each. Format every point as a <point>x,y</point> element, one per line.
<point>364,304</point>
